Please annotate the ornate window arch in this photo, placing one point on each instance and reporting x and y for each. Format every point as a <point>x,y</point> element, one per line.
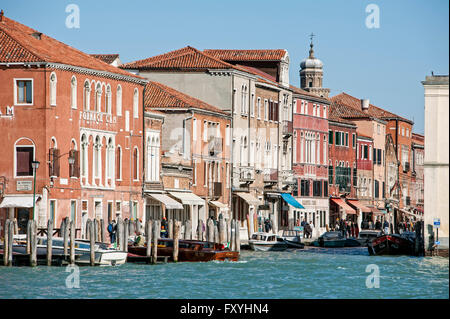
<point>73,92</point>
<point>53,81</point>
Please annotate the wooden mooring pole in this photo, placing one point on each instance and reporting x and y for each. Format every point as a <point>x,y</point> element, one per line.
<point>148,238</point>
<point>33,244</point>
<point>200,230</point>
<point>102,230</point>
<point>188,229</point>
<point>156,231</point>
<point>210,230</point>
<point>7,248</point>
<point>91,228</point>
<point>66,237</point>
<point>222,231</point>
<point>238,236</point>
<point>126,233</point>
<point>170,226</point>
<point>176,236</point>
<point>119,233</point>
<point>28,250</point>
<point>232,235</point>
<point>72,242</point>
<point>49,241</point>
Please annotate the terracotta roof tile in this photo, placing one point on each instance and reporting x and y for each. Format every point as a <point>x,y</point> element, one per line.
<point>19,43</point>
<point>159,96</point>
<point>373,110</point>
<point>340,113</point>
<point>107,58</point>
<point>187,58</point>
<point>247,55</point>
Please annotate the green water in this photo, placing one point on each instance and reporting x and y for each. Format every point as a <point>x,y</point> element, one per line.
<point>298,274</point>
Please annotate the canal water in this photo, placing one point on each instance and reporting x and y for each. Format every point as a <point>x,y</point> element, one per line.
<point>293,274</point>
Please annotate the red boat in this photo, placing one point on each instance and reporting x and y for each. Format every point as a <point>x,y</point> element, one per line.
<point>392,244</point>
<point>189,250</point>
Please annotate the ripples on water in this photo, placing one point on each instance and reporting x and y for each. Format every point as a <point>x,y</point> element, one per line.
<point>296,274</point>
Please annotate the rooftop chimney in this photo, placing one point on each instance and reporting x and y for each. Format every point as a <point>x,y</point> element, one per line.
<point>36,35</point>
<point>1,15</point>
<point>364,104</point>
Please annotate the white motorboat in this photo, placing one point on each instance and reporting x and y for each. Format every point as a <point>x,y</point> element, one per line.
<point>292,238</point>
<point>105,255</point>
<point>266,242</point>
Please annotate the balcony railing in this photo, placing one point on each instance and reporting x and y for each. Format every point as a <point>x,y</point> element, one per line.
<point>270,175</point>
<point>246,174</point>
<point>287,128</point>
<point>215,146</point>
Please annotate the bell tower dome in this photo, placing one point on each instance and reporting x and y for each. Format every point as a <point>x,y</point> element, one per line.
<point>311,73</point>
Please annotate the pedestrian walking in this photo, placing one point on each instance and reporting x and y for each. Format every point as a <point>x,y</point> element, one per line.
<point>356,230</point>
<point>352,228</point>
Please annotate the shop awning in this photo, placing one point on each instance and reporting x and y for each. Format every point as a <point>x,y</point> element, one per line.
<point>169,202</point>
<point>18,201</point>
<point>376,211</point>
<point>220,205</point>
<point>358,204</point>
<point>250,199</point>
<point>291,201</point>
<point>188,198</point>
<point>344,205</point>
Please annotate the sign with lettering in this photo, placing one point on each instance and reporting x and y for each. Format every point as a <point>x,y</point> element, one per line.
<point>436,222</point>
<point>7,111</point>
<point>97,117</point>
<point>24,185</point>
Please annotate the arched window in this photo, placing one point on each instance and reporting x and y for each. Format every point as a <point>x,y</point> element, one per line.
<point>119,163</point>
<point>73,91</point>
<point>119,101</point>
<point>135,164</point>
<point>108,101</point>
<point>98,98</point>
<point>24,152</point>
<point>136,104</point>
<point>97,158</point>
<point>87,96</point>
<point>84,156</point>
<point>53,81</point>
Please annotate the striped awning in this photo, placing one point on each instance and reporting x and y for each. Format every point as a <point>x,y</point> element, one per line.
<point>250,199</point>
<point>188,198</point>
<point>167,201</point>
<point>358,204</point>
<point>344,205</point>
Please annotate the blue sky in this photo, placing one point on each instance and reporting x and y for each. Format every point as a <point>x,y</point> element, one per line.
<point>384,65</point>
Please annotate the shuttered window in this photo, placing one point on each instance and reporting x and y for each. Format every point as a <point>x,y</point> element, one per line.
<point>24,157</point>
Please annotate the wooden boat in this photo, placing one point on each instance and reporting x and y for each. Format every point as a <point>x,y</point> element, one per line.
<point>351,242</point>
<point>292,238</point>
<point>367,235</point>
<point>189,250</point>
<point>266,242</point>
<point>105,255</point>
<point>393,244</point>
<point>332,239</point>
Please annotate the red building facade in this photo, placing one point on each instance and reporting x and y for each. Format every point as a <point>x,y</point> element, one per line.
<point>310,157</point>
<point>81,119</point>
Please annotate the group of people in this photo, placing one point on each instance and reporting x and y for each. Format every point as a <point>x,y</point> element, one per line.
<point>307,229</point>
<point>348,228</point>
<point>406,225</point>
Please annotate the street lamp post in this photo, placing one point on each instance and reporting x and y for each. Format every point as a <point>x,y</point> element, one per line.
<point>71,162</point>
<point>35,166</point>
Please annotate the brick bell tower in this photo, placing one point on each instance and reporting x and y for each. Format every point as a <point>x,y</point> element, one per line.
<point>311,74</point>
